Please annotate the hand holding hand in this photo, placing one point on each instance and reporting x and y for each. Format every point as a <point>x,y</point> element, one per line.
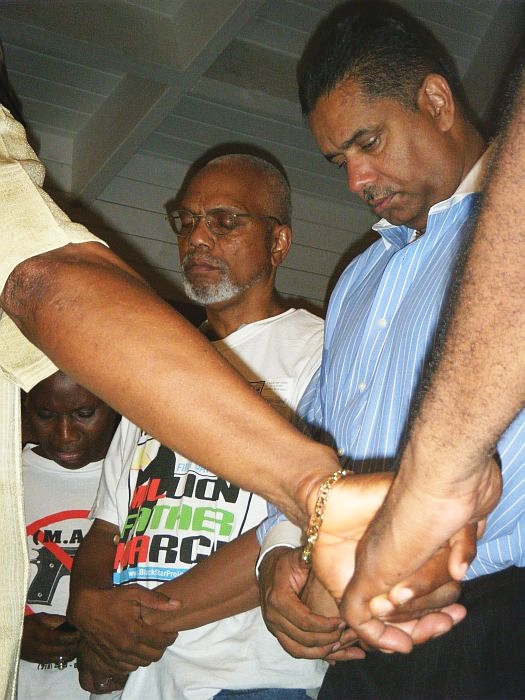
<point>94,674</point>
<point>352,504</point>
<point>302,632</point>
<point>113,621</point>
<point>42,643</point>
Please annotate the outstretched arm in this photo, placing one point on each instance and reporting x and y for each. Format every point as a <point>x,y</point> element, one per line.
<point>97,320</point>
<point>447,475</point>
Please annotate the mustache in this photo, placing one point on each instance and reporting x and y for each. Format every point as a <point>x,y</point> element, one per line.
<point>370,193</point>
<point>189,259</point>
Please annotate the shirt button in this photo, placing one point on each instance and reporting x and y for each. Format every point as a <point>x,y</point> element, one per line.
<point>361,386</point>
<point>382,322</point>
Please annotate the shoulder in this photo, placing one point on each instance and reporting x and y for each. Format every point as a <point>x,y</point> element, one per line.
<point>303,321</point>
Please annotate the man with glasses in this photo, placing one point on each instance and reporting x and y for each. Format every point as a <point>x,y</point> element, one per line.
<point>158,514</point>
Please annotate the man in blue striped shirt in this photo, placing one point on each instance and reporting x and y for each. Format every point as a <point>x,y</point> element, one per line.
<point>382,104</point>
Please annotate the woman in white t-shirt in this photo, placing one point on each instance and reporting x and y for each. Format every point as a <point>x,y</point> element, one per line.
<point>70,431</point>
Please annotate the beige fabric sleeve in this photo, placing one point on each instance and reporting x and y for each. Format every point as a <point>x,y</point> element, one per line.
<point>30,224</point>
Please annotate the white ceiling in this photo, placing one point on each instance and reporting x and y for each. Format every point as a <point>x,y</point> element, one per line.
<point>121,96</point>
<point>173,77</point>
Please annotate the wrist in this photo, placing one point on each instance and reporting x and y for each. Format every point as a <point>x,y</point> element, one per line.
<point>316,518</point>
<point>307,487</point>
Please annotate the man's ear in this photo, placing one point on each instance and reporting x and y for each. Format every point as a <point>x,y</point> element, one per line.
<point>281,242</point>
<point>435,97</point>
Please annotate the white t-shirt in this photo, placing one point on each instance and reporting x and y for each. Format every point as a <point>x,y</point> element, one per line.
<point>57,504</point>
<point>180,513</point>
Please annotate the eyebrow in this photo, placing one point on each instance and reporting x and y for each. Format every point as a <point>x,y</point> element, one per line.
<point>349,142</point>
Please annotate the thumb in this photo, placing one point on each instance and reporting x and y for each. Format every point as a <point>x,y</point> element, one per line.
<point>155,600</point>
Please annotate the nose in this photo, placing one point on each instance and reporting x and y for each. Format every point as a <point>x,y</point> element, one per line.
<point>66,431</point>
<point>201,235</point>
<point>359,173</point>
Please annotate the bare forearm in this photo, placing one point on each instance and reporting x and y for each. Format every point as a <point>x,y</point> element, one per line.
<point>479,384</point>
<point>102,325</point>
<point>222,585</point>
<point>478,387</point>
<point>92,566</point>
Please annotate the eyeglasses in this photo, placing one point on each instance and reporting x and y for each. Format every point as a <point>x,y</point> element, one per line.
<point>220,222</point>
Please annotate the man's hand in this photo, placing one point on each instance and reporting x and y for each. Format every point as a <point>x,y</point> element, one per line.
<point>42,643</point>
<point>351,505</point>
<point>112,620</point>
<point>94,674</point>
<point>302,632</point>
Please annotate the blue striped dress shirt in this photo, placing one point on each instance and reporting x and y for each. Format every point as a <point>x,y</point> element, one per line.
<point>380,330</point>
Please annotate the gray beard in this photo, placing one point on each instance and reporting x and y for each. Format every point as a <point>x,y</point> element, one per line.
<point>215,293</point>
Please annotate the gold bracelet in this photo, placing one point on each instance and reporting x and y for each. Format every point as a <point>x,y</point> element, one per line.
<point>312,532</point>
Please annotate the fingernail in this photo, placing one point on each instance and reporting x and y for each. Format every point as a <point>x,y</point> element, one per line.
<point>403,595</point>
<point>381,606</point>
<point>462,570</point>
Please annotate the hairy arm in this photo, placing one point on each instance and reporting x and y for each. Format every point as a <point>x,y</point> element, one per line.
<point>144,359</point>
<point>447,475</point>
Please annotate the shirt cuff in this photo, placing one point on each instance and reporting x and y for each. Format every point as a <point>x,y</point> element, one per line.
<point>283,534</point>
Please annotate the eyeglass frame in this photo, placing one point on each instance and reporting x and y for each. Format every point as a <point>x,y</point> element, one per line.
<point>234,214</point>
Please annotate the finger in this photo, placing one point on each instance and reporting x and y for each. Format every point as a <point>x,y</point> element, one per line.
<point>434,624</point>
<point>68,651</point>
<point>416,607</point>
<point>309,637</point>
<point>349,653</point>
<point>129,661</point>
<point>102,686</point>
<point>90,662</point>
<point>160,603</point>
<point>377,634</point>
<point>346,648</point>
<point>430,626</point>
<point>307,651</point>
<point>156,637</point>
<point>67,638</point>
<point>463,550</point>
<point>456,612</point>
<point>347,637</point>
<point>291,614</point>
<point>430,577</point>
<point>481,525</point>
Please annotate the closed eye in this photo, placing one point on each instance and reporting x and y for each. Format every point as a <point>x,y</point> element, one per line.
<point>370,144</point>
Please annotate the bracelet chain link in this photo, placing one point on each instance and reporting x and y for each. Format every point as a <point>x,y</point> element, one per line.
<point>316,519</point>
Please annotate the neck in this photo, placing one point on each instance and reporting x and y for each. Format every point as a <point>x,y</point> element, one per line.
<point>473,146</point>
<point>227,317</point>
<point>469,147</point>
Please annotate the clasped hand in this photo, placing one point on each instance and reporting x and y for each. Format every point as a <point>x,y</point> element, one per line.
<point>122,628</point>
<point>306,619</point>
